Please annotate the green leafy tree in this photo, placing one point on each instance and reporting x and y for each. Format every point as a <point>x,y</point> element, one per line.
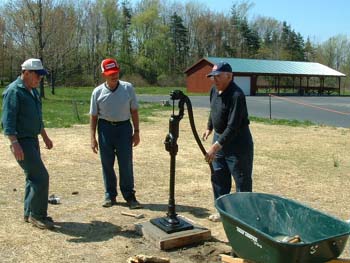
<point>335,51</point>
<point>110,14</point>
<point>151,41</point>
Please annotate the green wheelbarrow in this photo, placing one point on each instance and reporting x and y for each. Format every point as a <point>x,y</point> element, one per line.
<point>270,229</point>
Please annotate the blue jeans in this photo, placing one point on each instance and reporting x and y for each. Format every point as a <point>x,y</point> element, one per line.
<point>237,164</point>
<point>37,179</point>
<point>115,140</point>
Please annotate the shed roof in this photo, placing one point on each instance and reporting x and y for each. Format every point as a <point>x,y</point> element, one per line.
<point>277,67</point>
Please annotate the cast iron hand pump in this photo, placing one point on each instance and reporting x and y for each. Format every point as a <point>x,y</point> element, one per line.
<point>171,223</point>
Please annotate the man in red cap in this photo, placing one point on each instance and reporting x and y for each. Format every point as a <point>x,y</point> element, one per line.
<point>113,103</point>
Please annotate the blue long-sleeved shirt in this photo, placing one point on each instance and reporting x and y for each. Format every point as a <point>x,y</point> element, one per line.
<point>21,111</point>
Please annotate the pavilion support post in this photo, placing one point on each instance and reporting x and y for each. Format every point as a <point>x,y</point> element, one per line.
<point>301,90</point>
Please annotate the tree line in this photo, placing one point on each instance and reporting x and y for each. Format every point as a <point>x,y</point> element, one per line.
<point>154,41</point>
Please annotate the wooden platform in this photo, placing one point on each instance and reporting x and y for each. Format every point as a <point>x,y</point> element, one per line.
<point>229,259</point>
<point>165,241</point>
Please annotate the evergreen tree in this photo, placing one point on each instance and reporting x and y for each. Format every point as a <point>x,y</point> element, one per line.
<point>126,51</point>
<point>250,40</point>
<point>292,44</point>
<point>309,51</point>
<point>179,36</point>
<point>245,40</point>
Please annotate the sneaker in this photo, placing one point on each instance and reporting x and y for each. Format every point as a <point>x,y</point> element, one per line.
<point>215,217</point>
<point>133,203</point>
<point>109,202</point>
<point>43,223</point>
<point>48,218</point>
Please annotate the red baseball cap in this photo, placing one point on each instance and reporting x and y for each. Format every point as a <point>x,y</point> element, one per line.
<point>109,66</point>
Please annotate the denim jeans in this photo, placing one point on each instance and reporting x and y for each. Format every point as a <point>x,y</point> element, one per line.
<point>37,179</point>
<point>115,140</point>
<point>237,164</point>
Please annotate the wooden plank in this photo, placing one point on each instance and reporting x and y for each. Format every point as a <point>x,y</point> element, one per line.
<point>229,259</point>
<point>187,237</point>
<point>165,241</point>
<point>339,260</point>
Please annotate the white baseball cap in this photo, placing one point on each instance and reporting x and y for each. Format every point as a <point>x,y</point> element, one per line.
<point>34,64</point>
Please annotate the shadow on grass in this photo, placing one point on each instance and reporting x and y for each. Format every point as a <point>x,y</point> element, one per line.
<point>96,231</point>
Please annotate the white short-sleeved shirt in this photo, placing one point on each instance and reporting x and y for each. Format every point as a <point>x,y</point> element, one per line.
<point>113,105</point>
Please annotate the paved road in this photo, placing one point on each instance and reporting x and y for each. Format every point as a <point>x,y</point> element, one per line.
<point>331,111</point>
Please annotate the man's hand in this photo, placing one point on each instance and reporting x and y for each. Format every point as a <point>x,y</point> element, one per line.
<point>210,155</point>
<point>135,139</point>
<point>206,134</point>
<point>94,145</point>
<point>17,151</point>
<point>48,142</point>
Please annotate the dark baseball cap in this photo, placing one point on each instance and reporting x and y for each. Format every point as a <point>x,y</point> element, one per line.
<point>219,68</point>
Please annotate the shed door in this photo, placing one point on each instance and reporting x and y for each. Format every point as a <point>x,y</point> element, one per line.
<point>243,83</point>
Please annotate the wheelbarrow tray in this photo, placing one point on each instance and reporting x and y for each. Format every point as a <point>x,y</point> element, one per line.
<point>255,224</point>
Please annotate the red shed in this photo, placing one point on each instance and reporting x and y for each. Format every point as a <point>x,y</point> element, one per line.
<point>196,79</point>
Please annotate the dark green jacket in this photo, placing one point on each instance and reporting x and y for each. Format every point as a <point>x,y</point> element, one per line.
<point>21,111</point>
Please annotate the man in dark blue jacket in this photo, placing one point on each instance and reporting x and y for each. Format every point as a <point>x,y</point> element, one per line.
<point>22,123</point>
<point>232,150</point>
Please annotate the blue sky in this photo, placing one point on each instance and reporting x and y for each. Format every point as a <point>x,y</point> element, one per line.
<point>318,19</point>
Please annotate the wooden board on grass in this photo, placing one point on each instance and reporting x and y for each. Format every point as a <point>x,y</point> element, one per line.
<point>165,241</point>
<point>229,259</point>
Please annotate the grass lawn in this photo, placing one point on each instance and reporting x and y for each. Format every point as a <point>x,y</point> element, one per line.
<point>70,106</point>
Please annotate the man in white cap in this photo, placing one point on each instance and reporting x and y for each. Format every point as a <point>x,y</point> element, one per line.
<point>22,123</point>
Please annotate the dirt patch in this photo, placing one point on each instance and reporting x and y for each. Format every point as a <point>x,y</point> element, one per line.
<point>310,165</point>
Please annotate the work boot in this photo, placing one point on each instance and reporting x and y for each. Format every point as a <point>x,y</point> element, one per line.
<point>133,203</point>
<point>42,223</point>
